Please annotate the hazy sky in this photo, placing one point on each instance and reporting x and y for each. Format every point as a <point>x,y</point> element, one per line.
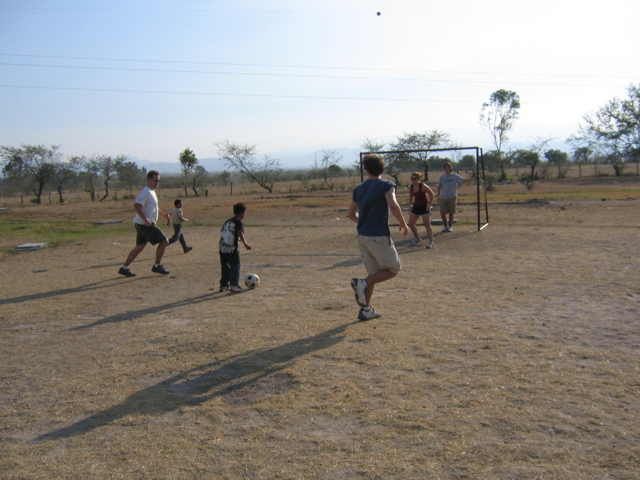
<point>149,78</point>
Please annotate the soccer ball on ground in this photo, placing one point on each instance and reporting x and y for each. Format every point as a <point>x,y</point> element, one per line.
<point>252,280</point>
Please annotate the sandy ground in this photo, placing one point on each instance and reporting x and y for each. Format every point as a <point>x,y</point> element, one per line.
<point>502,354</point>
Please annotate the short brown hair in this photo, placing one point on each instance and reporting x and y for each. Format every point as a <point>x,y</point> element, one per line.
<point>447,164</point>
<point>152,173</point>
<point>373,163</point>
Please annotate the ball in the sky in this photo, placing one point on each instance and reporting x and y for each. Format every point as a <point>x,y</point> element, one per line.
<point>378,13</point>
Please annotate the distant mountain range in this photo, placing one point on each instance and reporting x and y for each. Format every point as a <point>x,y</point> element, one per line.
<point>288,161</point>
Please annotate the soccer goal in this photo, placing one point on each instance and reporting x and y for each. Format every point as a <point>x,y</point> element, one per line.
<point>482,206</point>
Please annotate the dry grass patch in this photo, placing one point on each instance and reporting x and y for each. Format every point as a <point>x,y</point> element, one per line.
<point>507,353</point>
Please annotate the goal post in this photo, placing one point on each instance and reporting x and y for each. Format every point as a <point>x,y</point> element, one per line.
<point>481,192</point>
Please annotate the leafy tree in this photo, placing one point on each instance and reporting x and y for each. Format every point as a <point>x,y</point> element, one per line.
<point>197,178</point>
<point>437,162</point>
<point>31,165</point>
<point>336,170</point>
<point>614,131</point>
<point>188,163</point>
<point>224,177</point>
<point>560,159</point>
<point>498,116</point>
<point>416,141</point>
<point>467,162</point>
<point>326,168</point>
<point>526,158</point>
<point>242,159</point>
<point>129,175</point>
<point>66,172</point>
<point>580,156</point>
<point>90,174</point>
<point>491,160</point>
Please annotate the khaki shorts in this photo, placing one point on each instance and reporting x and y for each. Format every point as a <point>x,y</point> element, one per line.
<point>448,205</point>
<point>378,253</point>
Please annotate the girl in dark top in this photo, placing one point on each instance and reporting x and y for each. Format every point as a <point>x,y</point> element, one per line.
<point>420,199</point>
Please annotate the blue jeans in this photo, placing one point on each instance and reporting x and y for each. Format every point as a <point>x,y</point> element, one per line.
<point>230,269</point>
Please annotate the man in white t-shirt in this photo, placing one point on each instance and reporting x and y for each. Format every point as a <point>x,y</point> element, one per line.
<point>147,212</point>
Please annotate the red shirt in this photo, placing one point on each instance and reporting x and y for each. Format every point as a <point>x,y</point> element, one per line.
<point>420,197</point>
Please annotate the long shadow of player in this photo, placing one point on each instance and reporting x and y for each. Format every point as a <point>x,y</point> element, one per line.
<point>132,315</point>
<point>111,282</point>
<point>202,383</point>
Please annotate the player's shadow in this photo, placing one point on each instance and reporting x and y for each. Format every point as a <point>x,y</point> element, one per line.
<point>202,383</point>
<point>134,314</point>
<point>404,246</point>
<point>352,262</point>
<point>62,291</point>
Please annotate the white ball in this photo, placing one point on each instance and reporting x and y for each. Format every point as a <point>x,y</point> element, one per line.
<point>252,280</point>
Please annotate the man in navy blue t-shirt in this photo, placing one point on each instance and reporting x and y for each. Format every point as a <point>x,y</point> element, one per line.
<point>370,205</point>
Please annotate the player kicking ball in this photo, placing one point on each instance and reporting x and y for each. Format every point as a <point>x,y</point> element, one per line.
<point>370,205</point>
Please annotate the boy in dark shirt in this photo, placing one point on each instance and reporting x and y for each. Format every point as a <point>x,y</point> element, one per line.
<point>230,233</point>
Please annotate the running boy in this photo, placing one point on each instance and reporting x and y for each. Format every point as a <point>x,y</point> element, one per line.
<point>177,218</point>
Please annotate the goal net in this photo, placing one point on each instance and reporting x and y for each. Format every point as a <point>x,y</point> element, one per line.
<point>482,207</point>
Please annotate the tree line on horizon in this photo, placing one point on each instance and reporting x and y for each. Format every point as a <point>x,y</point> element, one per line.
<point>611,136</point>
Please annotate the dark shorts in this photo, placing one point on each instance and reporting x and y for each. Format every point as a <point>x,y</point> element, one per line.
<point>421,210</point>
<point>152,235</point>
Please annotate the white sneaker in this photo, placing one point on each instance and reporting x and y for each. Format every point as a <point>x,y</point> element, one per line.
<point>360,289</point>
<point>365,315</point>
<point>430,245</point>
<point>450,229</point>
<point>445,229</point>
<point>236,289</point>
<point>416,241</point>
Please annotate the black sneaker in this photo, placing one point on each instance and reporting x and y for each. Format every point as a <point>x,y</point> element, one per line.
<point>126,272</point>
<point>160,269</point>
<point>188,249</point>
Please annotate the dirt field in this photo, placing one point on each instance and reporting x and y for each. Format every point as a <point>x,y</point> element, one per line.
<point>510,353</point>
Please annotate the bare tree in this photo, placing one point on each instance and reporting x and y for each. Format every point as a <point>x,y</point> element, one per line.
<point>330,159</point>
<point>418,141</point>
<point>242,158</point>
<point>107,168</point>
